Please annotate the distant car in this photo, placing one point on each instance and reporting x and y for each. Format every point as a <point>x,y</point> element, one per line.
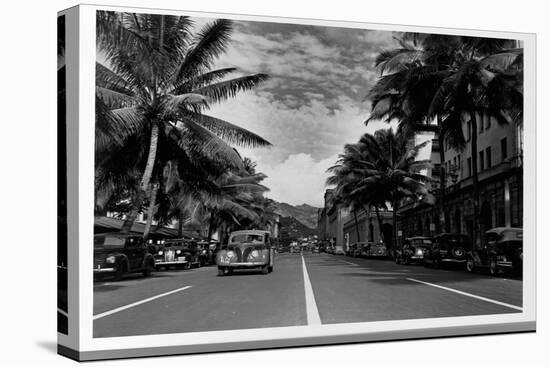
<point>315,249</point>
<point>502,249</point>
<point>339,250</point>
<point>119,253</point>
<point>374,249</point>
<point>413,250</point>
<point>205,253</point>
<point>448,249</point>
<point>330,249</point>
<point>350,250</point>
<point>189,252</point>
<point>282,249</point>
<point>250,249</point>
<point>171,253</point>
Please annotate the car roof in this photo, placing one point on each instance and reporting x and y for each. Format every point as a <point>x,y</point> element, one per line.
<point>249,231</point>
<point>117,234</point>
<point>507,233</point>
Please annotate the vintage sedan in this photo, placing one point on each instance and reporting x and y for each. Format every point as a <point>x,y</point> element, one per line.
<point>413,250</point>
<point>172,253</point>
<point>374,250</point>
<point>502,250</point>
<point>120,253</point>
<point>249,249</point>
<point>448,249</point>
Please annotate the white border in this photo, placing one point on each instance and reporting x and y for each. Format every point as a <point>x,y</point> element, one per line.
<point>86,179</point>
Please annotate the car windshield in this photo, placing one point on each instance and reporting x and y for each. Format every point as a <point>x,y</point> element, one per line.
<point>241,238</point>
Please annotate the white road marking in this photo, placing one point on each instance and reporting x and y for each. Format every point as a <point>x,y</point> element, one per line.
<point>118,309</point>
<point>312,312</point>
<point>347,262</point>
<point>469,295</point>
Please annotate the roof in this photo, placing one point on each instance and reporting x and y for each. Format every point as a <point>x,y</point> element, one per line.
<point>108,224</point>
<point>250,231</point>
<point>507,233</point>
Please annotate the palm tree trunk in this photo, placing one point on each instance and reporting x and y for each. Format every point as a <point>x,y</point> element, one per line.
<point>211,226</point>
<point>356,225</point>
<point>475,177</point>
<point>145,180</point>
<point>379,218</point>
<point>151,211</point>
<point>394,220</point>
<point>180,225</point>
<point>442,175</point>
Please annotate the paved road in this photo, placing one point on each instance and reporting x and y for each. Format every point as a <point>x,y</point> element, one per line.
<point>315,288</point>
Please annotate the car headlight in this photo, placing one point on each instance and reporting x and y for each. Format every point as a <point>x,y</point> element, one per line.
<point>254,253</point>
<point>110,259</point>
<point>203,252</point>
<point>419,252</point>
<point>160,252</point>
<point>230,254</point>
<point>178,252</point>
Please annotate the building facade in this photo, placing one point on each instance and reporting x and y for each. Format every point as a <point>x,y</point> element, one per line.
<point>500,184</point>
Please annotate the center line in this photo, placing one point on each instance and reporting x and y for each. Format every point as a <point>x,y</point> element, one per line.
<point>107,313</point>
<point>469,295</point>
<point>312,312</point>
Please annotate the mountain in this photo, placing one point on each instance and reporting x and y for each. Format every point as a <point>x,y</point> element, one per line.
<point>292,229</point>
<point>305,214</point>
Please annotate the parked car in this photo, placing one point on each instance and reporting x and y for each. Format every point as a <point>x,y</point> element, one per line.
<point>502,249</point>
<point>189,251</point>
<point>413,250</point>
<point>374,249</point>
<point>247,249</point>
<point>171,253</point>
<point>281,249</point>
<point>205,253</point>
<point>448,249</point>
<point>120,253</point>
<point>350,250</point>
<point>316,249</point>
<point>330,249</point>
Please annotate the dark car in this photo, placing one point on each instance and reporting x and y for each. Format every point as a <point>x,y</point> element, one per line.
<point>350,250</point>
<point>448,249</point>
<point>374,250</point>
<point>190,250</point>
<point>205,253</point>
<point>248,249</point>
<point>502,249</point>
<point>413,250</point>
<point>120,253</point>
<point>171,253</point>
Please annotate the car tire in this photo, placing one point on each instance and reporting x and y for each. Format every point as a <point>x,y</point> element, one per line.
<point>221,271</point>
<point>265,269</point>
<point>119,274</point>
<point>493,269</point>
<point>147,272</point>
<point>470,265</point>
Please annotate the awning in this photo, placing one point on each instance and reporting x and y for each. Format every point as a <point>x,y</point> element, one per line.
<point>108,224</point>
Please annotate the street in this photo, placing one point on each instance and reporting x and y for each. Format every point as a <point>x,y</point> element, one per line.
<point>302,289</point>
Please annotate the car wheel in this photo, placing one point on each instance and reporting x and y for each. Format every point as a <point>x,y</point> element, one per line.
<point>470,265</point>
<point>119,274</point>
<point>493,270</point>
<point>147,271</point>
<point>265,269</point>
<point>221,271</point>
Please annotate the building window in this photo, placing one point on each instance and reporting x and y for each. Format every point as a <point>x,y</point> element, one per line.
<point>481,161</point>
<point>503,148</point>
<point>469,167</point>
<point>488,157</point>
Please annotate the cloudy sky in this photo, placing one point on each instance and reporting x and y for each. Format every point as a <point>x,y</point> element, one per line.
<point>312,105</point>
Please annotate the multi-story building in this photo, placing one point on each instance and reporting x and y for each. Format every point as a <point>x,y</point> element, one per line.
<point>500,184</point>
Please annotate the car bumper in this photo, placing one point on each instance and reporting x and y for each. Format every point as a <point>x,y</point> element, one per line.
<point>104,270</point>
<point>160,262</point>
<point>244,265</point>
<point>453,261</point>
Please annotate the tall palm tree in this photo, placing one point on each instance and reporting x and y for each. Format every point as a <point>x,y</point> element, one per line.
<point>430,77</point>
<point>151,94</point>
<point>379,169</point>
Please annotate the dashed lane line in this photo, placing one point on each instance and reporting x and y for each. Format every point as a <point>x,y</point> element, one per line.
<point>119,309</point>
<point>468,294</point>
<point>312,312</point>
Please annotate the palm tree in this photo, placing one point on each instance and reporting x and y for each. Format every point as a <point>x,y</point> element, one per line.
<point>431,77</point>
<point>379,169</point>
<point>151,94</point>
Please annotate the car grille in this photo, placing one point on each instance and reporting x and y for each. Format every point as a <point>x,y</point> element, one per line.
<point>99,260</point>
<point>239,254</point>
<point>246,252</point>
<point>169,255</point>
